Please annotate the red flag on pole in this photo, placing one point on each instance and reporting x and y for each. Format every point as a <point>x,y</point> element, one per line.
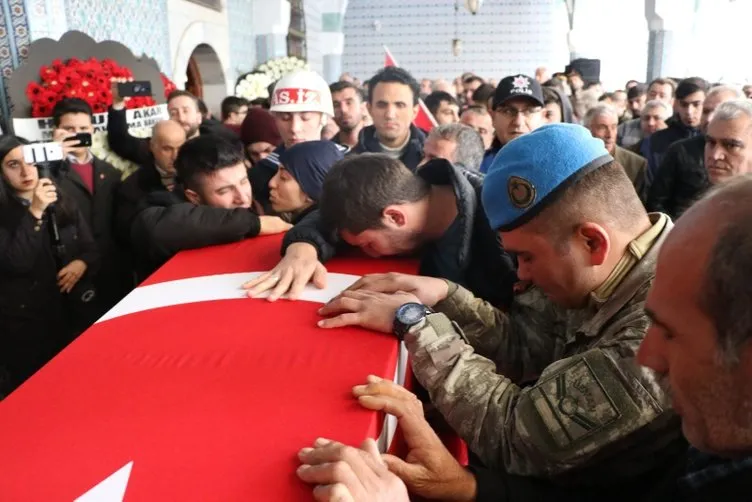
<point>424,119</point>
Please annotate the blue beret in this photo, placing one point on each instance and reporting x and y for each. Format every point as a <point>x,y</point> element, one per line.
<point>531,171</point>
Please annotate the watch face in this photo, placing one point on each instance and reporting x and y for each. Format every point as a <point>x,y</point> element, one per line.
<point>411,313</point>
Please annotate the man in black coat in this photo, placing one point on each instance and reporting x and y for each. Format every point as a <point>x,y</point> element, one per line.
<point>681,177</point>
<point>213,205</point>
<point>158,175</point>
<point>92,183</point>
<point>690,94</point>
<point>183,108</point>
<point>375,203</point>
<point>393,104</point>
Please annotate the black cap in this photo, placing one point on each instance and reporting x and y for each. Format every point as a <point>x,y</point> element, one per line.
<point>518,86</point>
<point>588,69</point>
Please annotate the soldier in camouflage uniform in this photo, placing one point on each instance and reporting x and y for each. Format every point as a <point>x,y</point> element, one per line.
<point>550,388</point>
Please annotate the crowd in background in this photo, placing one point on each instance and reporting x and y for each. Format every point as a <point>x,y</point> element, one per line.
<point>486,200</point>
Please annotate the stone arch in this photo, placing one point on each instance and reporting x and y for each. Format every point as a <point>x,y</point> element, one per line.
<point>208,67</point>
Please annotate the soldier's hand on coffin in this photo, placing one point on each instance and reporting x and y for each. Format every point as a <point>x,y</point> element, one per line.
<point>429,469</point>
<point>429,290</point>
<point>345,474</point>
<point>367,309</point>
<point>298,267</point>
<point>273,225</point>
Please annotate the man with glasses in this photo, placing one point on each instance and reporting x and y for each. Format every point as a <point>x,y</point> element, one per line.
<point>517,110</point>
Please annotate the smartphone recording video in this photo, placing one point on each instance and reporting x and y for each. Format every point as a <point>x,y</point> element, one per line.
<point>42,152</point>
<point>134,89</point>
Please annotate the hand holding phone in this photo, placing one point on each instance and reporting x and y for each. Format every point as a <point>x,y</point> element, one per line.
<point>134,89</point>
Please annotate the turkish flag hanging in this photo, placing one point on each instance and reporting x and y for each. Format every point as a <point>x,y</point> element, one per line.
<point>424,119</point>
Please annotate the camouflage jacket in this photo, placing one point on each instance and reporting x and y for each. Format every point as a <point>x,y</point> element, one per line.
<point>544,391</point>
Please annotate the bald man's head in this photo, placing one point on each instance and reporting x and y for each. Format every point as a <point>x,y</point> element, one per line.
<point>702,323</point>
<point>167,138</point>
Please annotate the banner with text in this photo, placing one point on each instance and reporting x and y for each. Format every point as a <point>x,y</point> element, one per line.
<point>40,129</point>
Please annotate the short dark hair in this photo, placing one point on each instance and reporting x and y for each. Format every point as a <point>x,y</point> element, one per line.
<point>664,81</point>
<point>605,195</point>
<point>472,78</point>
<point>550,96</point>
<point>232,104</point>
<point>68,106</point>
<point>689,86</point>
<point>433,101</point>
<point>483,93</point>
<point>637,91</point>
<point>206,154</point>
<point>358,188</point>
<point>394,74</point>
<point>606,95</point>
<point>179,93</point>
<point>341,86</point>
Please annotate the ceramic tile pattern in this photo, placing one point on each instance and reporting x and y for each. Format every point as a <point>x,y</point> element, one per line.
<point>139,24</point>
<point>507,36</point>
<point>242,38</point>
<point>14,43</point>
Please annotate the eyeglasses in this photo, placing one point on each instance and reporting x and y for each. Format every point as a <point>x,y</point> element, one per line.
<point>512,113</point>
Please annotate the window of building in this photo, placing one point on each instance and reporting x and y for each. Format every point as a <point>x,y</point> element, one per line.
<point>296,35</point>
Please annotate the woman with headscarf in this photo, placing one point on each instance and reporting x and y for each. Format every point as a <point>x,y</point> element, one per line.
<point>259,134</point>
<point>296,188</point>
<point>40,284</point>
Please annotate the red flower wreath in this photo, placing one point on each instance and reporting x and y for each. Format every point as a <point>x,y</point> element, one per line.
<point>89,80</point>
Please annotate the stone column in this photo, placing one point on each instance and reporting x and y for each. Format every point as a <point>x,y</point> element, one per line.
<point>271,21</point>
<point>670,24</point>
<point>333,38</point>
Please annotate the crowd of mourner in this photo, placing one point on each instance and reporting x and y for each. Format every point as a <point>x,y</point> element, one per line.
<point>581,317</point>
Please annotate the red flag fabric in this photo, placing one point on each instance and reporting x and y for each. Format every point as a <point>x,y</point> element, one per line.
<point>189,391</point>
<point>423,119</point>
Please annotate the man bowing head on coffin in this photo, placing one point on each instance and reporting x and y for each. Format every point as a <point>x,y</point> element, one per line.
<point>550,387</point>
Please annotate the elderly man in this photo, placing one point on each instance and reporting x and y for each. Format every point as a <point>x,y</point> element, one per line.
<point>662,89</point>
<point>653,118</point>
<point>682,177</point>
<point>548,388</point>
<point>602,120</point>
<point>457,143</point>
<point>699,342</point>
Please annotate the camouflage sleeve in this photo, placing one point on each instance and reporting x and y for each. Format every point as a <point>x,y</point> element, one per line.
<point>521,343</point>
<point>579,406</point>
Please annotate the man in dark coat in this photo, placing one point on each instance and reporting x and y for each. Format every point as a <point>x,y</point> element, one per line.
<point>373,202</point>
<point>682,178</point>
<point>690,94</point>
<point>92,183</point>
<point>158,175</point>
<point>393,104</point>
<point>213,206</point>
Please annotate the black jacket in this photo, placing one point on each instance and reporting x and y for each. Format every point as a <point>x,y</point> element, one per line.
<point>470,253</point>
<point>131,196</point>
<point>114,279</point>
<point>36,319</point>
<point>137,149</point>
<point>660,141</point>
<point>411,157</point>
<point>168,223</point>
<point>681,178</point>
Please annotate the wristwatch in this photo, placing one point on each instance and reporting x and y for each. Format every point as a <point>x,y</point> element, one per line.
<point>407,316</point>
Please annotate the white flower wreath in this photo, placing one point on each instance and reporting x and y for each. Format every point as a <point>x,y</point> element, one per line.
<point>255,85</point>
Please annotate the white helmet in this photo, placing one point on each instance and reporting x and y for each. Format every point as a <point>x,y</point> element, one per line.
<point>302,91</point>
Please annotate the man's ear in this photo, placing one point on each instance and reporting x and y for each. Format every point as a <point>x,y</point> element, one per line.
<point>394,217</point>
<point>192,197</point>
<point>596,241</point>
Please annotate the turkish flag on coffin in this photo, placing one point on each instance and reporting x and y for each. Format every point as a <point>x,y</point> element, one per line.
<point>424,119</point>
<point>189,391</point>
